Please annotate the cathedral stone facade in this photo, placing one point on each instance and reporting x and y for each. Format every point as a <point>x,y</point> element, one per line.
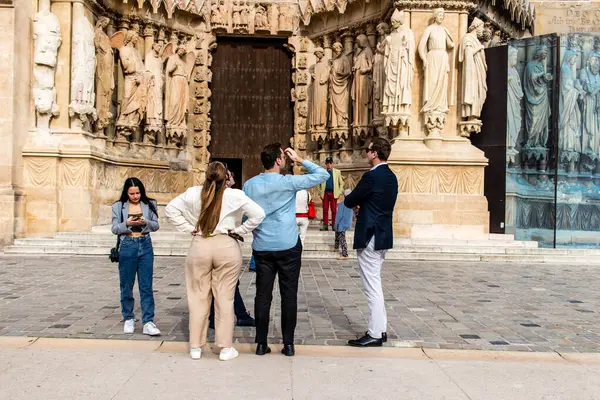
<point>95,91</point>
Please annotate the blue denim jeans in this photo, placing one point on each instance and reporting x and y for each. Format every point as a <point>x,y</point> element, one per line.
<point>136,257</point>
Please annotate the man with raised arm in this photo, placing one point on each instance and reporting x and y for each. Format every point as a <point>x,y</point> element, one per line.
<point>277,248</point>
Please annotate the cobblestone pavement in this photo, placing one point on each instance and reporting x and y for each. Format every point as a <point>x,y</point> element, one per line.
<point>432,305</point>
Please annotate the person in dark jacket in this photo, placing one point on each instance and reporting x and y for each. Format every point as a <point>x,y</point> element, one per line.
<point>374,197</point>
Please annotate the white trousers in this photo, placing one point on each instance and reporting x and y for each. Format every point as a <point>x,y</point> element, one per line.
<point>370,262</point>
<point>302,228</point>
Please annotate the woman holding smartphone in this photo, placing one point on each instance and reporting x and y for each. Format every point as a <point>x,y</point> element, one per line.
<point>134,216</point>
<point>213,214</point>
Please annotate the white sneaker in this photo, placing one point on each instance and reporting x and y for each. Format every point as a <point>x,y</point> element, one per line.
<point>195,353</point>
<point>228,353</point>
<point>151,329</point>
<point>129,326</point>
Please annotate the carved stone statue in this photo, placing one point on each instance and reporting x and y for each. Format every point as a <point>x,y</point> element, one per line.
<point>496,39</point>
<point>137,82</point>
<point>154,111</point>
<point>83,66</point>
<point>339,94</point>
<point>261,19</point>
<point>569,119</point>
<point>47,40</point>
<point>379,73</point>
<point>590,80</point>
<point>286,18</point>
<point>537,104</point>
<point>320,87</point>
<point>399,71</point>
<point>513,102</point>
<point>362,85</point>
<point>474,70</point>
<point>433,50</point>
<point>105,82</point>
<point>217,15</point>
<point>178,71</point>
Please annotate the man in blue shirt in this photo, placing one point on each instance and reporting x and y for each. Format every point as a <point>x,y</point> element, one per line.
<point>276,247</point>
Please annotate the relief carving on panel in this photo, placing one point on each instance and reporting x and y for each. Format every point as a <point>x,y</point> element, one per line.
<point>47,40</point>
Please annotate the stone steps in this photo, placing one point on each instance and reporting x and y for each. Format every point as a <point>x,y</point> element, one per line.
<point>319,245</point>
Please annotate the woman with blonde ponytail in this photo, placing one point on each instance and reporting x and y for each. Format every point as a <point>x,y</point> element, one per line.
<point>213,213</point>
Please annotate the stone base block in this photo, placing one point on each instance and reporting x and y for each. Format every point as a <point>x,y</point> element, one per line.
<point>440,193</point>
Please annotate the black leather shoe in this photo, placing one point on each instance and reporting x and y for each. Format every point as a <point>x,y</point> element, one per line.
<point>262,349</point>
<point>383,336</point>
<point>246,321</point>
<point>288,350</point>
<point>366,341</point>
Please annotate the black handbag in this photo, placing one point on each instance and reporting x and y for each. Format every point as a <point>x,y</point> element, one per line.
<point>114,252</point>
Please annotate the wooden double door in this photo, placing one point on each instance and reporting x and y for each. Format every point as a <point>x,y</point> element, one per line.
<point>251,101</point>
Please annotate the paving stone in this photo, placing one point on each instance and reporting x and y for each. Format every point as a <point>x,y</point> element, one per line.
<point>434,305</point>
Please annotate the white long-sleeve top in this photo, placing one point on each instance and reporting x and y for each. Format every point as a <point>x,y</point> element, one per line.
<point>184,210</point>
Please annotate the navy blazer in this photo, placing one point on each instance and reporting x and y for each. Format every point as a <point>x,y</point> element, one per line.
<point>121,228</point>
<point>376,194</point>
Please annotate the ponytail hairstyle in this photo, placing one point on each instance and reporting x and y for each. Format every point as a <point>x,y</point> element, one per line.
<point>211,198</point>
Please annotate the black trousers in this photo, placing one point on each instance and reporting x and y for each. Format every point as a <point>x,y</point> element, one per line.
<point>287,264</point>
<point>238,306</point>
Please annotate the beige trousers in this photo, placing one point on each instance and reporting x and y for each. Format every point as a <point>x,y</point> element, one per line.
<point>212,268</point>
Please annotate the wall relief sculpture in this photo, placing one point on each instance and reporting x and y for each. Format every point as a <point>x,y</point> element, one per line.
<point>83,68</point>
<point>47,40</point>
<point>261,19</point>
<point>433,50</point>
<point>399,72</point>
<point>105,82</point>
<point>514,105</point>
<point>339,94</point>
<point>320,91</point>
<point>473,85</point>
<point>379,66</point>
<point>569,119</point>
<point>362,86</point>
<point>537,104</point>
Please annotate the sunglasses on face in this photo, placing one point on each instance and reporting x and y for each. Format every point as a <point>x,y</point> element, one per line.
<point>368,150</point>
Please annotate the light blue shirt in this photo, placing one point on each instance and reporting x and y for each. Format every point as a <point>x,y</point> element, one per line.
<point>276,194</point>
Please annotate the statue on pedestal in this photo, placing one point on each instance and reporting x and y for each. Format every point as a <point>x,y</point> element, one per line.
<point>590,80</point>
<point>320,88</point>
<point>362,85</point>
<point>569,119</point>
<point>105,70</point>
<point>433,50</point>
<point>46,40</point>
<point>399,72</point>
<point>137,82</point>
<point>537,104</point>
<point>473,85</point>
<point>514,105</point>
<point>178,72</point>
<point>154,112</point>
<point>379,73</point>
<point>339,94</point>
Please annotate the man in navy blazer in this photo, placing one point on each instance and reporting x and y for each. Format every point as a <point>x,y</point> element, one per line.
<point>374,197</point>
